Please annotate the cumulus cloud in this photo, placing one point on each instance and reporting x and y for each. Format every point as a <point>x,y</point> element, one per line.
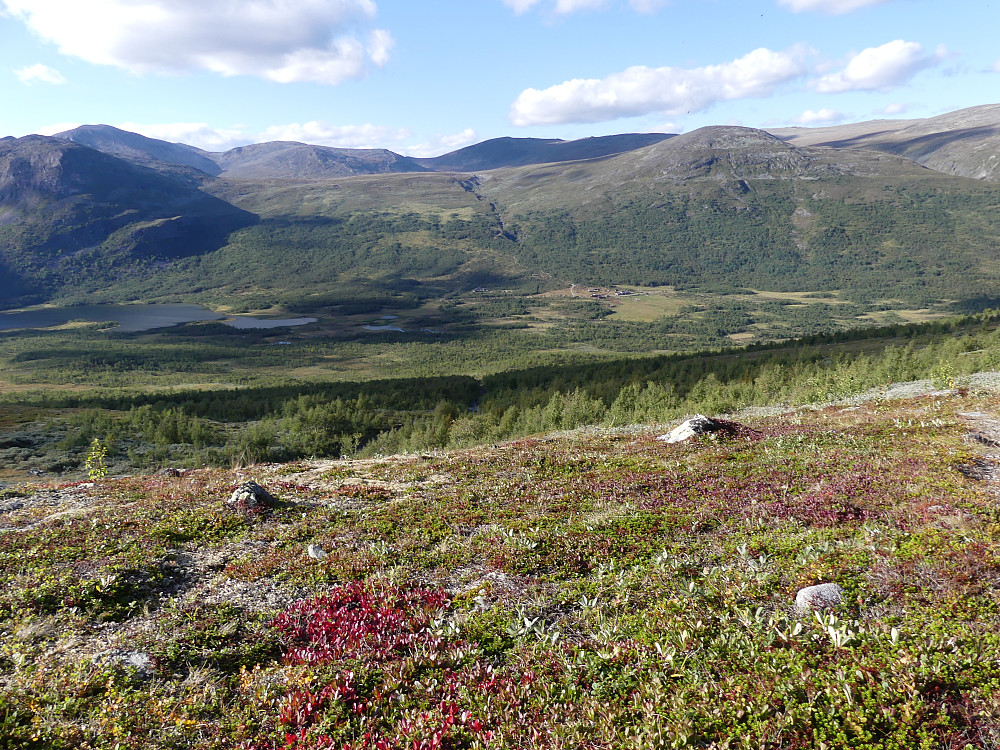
<point>338,136</point>
<point>39,73</point>
<point>880,68</point>
<point>833,7</point>
<point>321,41</point>
<point>641,90</point>
<point>825,116</point>
<point>441,144</point>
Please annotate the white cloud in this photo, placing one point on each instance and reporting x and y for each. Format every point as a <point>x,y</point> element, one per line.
<point>894,109</point>
<point>880,68</point>
<point>338,136</point>
<point>833,7</point>
<point>823,116</point>
<point>641,90</point>
<point>520,6</point>
<point>380,44</point>
<point>441,144</point>
<point>58,127</point>
<point>198,134</point>
<point>39,73</point>
<point>565,7</point>
<point>322,41</point>
<point>647,6</point>
<point>572,6</point>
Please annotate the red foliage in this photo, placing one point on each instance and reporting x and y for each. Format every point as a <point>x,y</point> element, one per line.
<point>355,620</point>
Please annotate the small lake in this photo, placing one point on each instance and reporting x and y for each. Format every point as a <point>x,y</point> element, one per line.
<point>133,318</point>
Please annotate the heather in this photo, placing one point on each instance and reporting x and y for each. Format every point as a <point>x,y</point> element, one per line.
<point>587,589</point>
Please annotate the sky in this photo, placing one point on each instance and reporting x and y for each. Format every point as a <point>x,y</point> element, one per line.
<point>425,77</point>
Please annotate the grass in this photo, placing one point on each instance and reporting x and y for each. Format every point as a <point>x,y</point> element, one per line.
<point>647,307</point>
<point>590,589</point>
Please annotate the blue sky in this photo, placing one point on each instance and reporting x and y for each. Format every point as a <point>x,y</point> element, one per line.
<point>424,78</point>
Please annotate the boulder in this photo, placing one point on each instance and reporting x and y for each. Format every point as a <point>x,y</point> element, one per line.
<point>316,552</point>
<point>251,497</point>
<point>820,596</point>
<point>699,424</point>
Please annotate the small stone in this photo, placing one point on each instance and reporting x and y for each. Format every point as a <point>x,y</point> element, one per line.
<point>820,596</point>
<point>316,552</point>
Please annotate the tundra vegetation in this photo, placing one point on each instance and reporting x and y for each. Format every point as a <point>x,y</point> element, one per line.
<point>586,589</point>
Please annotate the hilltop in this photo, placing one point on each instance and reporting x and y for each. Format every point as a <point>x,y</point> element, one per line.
<point>592,589</point>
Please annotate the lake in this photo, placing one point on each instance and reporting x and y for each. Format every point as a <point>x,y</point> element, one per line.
<point>133,318</point>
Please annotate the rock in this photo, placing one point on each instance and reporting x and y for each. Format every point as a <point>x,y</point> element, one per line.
<point>316,552</point>
<point>251,497</point>
<point>699,424</point>
<point>168,471</point>
<point>139,663</point>
<point>821,596</point>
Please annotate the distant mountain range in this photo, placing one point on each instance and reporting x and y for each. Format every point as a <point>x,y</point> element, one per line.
<point>879,211</point>
<point>292,160</point>
<point>965,143</point>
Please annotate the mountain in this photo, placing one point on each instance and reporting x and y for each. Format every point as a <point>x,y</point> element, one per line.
<point>964,143</point>
<point>140,149</point>
<point>842,210</point>
<point>515,152</point>
<point>724,208</point>
<point>291,160</point>
<point>74,216</point>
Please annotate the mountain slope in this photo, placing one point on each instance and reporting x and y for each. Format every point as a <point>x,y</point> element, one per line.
<point>140,149</point>
<point>724,208</point>
<point>291,160</point>
<point>71,215</point>
<point>516,152</point>
<point>964,143</point>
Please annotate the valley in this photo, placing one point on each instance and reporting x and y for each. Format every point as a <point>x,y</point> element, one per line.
<point>386,468</point>
<point>491,284</point>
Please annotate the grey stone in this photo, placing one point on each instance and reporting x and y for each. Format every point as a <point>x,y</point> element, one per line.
<point>316,552</point>
<point>820,596</point>
<point>251,496</point>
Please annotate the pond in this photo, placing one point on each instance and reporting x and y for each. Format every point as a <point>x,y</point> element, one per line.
<point>133,318</point>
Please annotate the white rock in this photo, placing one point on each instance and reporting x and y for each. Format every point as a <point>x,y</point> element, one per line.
<point>316,552</point>
<point>699,424</point>
<point>821,596</point>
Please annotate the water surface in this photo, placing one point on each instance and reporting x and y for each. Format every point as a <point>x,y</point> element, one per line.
<point>133,318</point>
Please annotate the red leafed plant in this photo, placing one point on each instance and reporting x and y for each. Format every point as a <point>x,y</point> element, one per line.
<point>355,620</point>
